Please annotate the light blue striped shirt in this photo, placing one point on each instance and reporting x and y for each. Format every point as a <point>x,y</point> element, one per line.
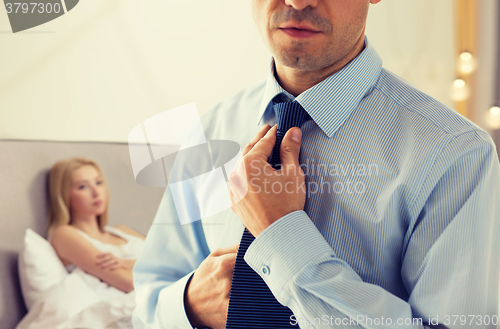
<point>401,223</point>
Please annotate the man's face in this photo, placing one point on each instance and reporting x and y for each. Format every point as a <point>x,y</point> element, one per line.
<point>310,35</point>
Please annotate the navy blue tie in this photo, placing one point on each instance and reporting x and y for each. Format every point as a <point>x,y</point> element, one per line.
<point>251,304</point>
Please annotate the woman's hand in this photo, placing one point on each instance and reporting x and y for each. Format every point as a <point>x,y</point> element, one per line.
<point>108,260</point>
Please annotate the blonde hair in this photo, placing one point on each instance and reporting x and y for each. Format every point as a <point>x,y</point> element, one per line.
<point>59,196</point>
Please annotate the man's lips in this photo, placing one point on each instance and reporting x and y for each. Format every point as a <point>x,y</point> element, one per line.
<point>299,31</point>
<point>299,26</point>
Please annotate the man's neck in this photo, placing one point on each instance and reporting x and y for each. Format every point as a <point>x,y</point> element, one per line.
<point>296,82</point>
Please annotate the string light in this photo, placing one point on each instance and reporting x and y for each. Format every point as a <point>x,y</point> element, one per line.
<point>495,110</point>
<point>460,91</point>
<point>466,56</point>
<point>459,83</point>
<point>466,63</point>
<point>493,117</point>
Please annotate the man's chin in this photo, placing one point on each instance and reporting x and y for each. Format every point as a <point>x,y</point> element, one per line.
<point>297,61</point>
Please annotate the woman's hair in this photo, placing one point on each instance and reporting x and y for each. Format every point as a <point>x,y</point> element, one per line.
<point>59,196</point>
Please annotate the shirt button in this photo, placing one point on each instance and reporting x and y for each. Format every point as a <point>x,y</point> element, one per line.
<point>265,270</point>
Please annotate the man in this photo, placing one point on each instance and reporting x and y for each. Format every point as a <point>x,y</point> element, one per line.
<point>388,216</point>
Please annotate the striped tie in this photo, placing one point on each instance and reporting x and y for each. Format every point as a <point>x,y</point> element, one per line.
<point>251,304</point>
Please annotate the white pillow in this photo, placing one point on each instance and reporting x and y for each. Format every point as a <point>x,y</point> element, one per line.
<point>39,267</point>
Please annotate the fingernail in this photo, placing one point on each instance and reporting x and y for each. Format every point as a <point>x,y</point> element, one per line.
<point>296,135</point>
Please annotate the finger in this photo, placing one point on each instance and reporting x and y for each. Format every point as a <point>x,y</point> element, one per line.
<point>234,208</point>
<point>105,266</point>
<point>104,254</point>
<point>102,261</point>
<point>109,263</point>
<point>229,259</point>
<point>290,147</point>
<point>225,250</point>
<point>227,263</point>
<point>262,132</point>
<point>238,185</point>
<point>265,145</point>
<point>104,257</point>
<point>115,267</point>
<point>231,197</point>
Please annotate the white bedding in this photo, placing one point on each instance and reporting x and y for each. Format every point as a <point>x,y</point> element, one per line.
<point>81,301</point>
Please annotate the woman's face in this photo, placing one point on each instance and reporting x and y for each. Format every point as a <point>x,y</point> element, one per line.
<point>87,192</point>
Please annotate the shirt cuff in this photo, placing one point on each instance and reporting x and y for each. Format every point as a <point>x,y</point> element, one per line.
<point>170,311</point>
<point>285,248</point>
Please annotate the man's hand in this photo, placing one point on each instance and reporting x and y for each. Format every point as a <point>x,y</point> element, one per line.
<point>207,295</point>
<point>271,193</point>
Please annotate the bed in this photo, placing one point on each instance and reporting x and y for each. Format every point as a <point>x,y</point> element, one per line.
<point>23,198</point>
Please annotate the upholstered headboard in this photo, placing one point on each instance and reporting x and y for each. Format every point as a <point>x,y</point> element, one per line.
<point>23,202</point>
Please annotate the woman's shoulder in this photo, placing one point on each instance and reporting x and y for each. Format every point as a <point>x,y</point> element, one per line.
<point>63,234</point>
<point>128,230</point>
<point>65,238</point>
<point>64,230</point>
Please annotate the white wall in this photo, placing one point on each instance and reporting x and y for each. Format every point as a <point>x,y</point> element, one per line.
<point>104,67</point>
<point>416,40</point>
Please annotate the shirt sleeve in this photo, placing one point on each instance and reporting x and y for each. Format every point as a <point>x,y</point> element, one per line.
<point>450,262</point>
<point>170,254</point>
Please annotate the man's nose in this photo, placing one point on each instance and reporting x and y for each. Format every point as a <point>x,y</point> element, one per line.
<point>301,4</point>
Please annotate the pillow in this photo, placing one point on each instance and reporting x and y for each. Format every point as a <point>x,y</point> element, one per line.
<point>39,267</point>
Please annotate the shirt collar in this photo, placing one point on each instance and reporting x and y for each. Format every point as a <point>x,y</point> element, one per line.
<point>330,102</point>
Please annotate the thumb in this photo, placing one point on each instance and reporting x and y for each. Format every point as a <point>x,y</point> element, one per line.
<point>225,250</point>
<point>290,147</point>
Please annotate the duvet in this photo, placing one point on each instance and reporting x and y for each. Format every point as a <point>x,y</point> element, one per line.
<point>81,301</point>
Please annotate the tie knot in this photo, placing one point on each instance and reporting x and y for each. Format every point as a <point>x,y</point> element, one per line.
<point>289,114</point>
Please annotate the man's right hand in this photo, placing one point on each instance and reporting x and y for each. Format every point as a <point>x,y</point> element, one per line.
<point>207,295</point>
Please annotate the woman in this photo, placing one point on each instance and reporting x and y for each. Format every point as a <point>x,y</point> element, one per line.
<point>77,225</point>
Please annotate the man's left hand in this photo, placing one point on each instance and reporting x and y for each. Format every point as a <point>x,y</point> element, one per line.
<point>271,193</point>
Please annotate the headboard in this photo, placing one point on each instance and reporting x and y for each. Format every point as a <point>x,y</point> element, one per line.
<point>23,202</point>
